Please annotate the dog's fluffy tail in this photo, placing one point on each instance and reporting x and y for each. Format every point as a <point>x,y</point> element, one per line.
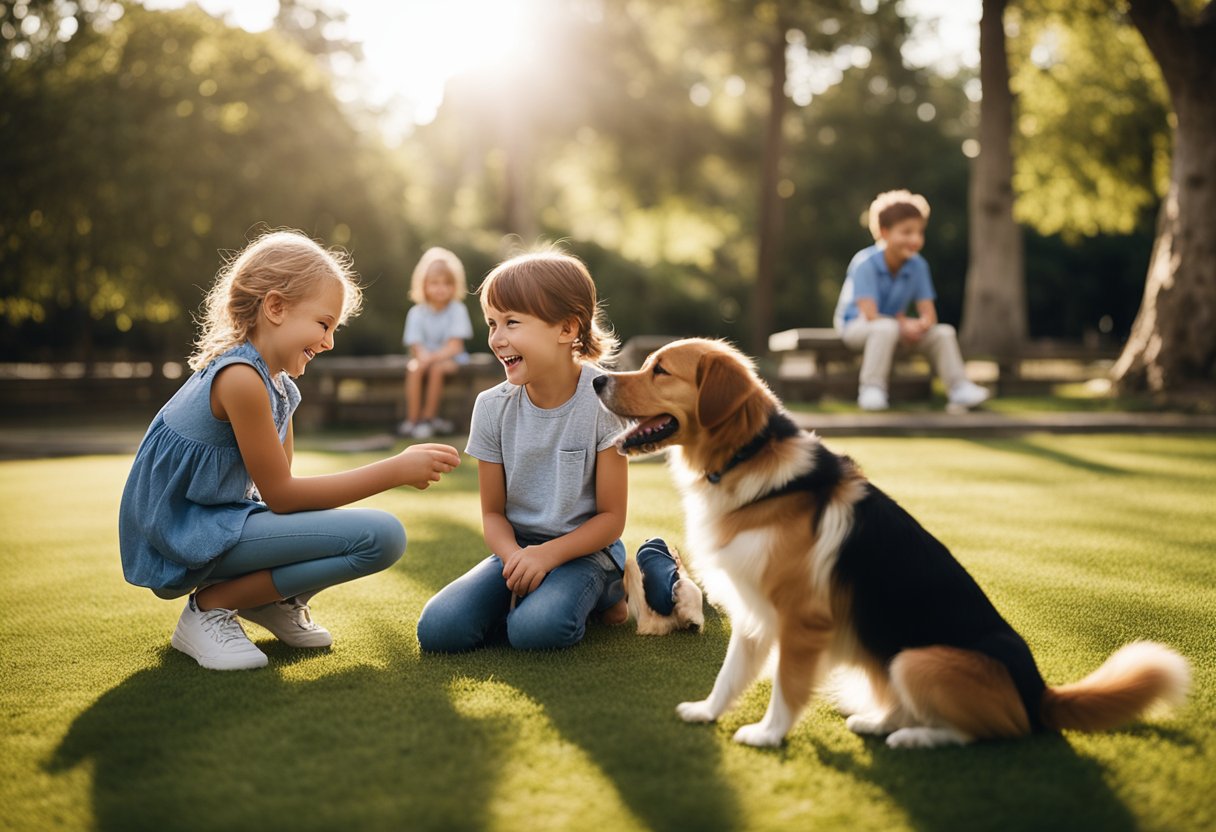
<point>1137,678</point>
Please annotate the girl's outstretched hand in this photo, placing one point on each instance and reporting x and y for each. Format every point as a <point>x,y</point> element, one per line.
<point>424,464</point>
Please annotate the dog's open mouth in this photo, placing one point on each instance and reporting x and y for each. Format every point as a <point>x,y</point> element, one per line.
<point>646,434</point>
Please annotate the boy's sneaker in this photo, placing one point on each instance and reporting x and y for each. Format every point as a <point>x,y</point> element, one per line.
<point>443,427</point>
<point>967,394</point>
<point>406,428</point>
<point>215,639</point>
<point>872,398</point>
<point>422,430</point>
<point>290,620</point>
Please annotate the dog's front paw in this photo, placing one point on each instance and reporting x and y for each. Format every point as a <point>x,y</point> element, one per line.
<point>758,735</point>
<point>689,604</point>
<point>922,737</point>
<point>867,724</point>
<point>696,711</point>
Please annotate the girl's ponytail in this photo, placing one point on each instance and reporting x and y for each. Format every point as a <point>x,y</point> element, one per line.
<point>596,341</point>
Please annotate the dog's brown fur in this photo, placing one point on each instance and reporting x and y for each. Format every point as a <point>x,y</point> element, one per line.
<point>769,562</point>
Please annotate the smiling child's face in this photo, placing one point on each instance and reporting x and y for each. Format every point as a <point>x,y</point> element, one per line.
<point>527,346</point>
<point>905,238</point>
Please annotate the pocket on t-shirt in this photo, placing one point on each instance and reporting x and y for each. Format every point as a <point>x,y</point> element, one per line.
<point>569,479</point>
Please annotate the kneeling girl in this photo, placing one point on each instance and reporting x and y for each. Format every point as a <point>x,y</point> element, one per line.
<point>553,487</point>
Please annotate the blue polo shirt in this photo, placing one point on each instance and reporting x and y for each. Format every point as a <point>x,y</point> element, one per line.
<point>869,277</point>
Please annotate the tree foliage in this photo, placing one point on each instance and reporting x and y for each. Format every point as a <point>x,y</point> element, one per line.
<point>143,144</point>
<point>1093,136</point>
<point>134,155</point>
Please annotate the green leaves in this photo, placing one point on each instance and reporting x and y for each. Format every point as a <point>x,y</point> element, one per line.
<point>1092,142</point>
<point>138,154</point>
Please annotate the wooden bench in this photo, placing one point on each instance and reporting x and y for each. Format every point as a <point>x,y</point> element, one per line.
<point>370,390</point>
<point>814,362</point>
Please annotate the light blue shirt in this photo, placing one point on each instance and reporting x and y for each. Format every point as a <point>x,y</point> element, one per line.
<point>869,277</point>
<point>433,329</point>
<point>188,494</point>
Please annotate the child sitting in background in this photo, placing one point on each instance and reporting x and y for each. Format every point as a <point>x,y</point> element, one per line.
<point>435,331</point>
<point>211,507</point>
<point>881,282</point>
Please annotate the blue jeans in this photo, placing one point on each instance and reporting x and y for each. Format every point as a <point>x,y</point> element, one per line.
<point>659,575</point>
<point>310,550</point>
<point>470,610</point>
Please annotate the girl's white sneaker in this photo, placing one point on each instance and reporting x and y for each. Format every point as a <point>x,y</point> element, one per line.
<point>215,639</point>
<point>290,620</point>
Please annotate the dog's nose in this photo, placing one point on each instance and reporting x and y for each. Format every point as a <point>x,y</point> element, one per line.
<point>599,383</point>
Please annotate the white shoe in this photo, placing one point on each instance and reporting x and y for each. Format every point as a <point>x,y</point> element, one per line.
<point>872,398</point>
<point>442,427</point>
<point>422,430</point>
<point>968,394</point>
<point>290,620</point>
<point>215,639</point>
<point>406,428</point>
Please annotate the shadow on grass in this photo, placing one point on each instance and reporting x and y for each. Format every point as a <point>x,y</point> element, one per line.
<point>177,747</point>
<point>395,745</point>
<point>433,564</point>
<point>1039,783</point>
<point>1027,447</point>
<point>611,695</point>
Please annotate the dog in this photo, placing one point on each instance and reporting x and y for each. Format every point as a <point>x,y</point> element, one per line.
<point>804,554</point>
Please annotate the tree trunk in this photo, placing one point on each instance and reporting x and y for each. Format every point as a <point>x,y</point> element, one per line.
<point>1172,347</point>
<point>994,299</point>
<point>771,213</point>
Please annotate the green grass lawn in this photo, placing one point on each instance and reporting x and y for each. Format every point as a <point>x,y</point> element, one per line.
<point>1083,542</point>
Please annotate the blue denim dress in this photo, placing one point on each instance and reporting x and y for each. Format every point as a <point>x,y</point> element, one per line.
<point>188,494</point>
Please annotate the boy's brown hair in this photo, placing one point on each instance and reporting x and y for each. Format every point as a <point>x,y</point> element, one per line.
<point>555,287</point>
<point>893,207</point>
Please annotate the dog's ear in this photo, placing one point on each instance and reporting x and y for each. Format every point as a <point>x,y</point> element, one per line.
<point>723,385</point>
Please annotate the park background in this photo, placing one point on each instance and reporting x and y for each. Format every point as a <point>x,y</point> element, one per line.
<point>711,161</point>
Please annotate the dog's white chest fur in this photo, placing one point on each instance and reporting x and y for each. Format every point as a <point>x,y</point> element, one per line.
<point>731,572</point>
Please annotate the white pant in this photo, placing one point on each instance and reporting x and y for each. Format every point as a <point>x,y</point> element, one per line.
<point>877,340</point>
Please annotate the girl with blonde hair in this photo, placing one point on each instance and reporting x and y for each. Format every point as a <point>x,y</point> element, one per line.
<point>435,331</point>
<point>211,507</point>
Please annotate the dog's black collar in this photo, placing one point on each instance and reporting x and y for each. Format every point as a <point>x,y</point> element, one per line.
<point>779,426</point>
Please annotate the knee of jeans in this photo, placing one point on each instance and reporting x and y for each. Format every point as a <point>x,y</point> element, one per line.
<point>439,631</point>
<point>945,331</point>
<point>382,545</point>
<point>540,629</point>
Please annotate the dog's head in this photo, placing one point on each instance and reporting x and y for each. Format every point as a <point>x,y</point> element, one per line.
<point>700,394</point>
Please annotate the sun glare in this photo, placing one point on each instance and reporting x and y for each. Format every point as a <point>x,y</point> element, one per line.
<point>413,49</point>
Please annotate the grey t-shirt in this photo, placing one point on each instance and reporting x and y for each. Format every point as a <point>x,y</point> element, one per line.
<point>548,456</point>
